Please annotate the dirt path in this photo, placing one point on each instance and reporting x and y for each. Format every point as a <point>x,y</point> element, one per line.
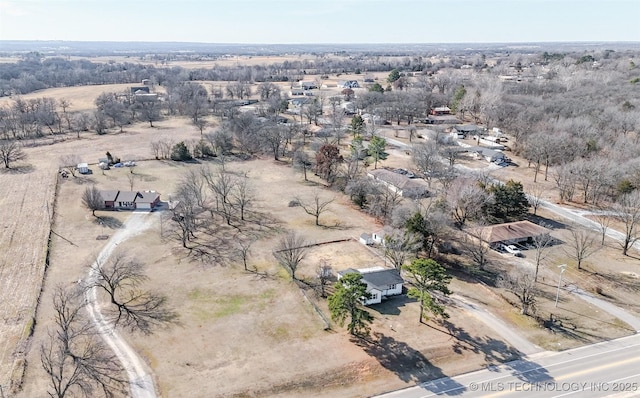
<point>511,336</point>
<point>606,306</point>
<point>140,377</point>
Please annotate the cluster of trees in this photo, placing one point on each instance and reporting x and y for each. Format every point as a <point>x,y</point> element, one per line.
<point>213,214</point>
<point>36,72</point>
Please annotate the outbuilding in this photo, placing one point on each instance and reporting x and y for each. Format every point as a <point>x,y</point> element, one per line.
<point>83,168</point>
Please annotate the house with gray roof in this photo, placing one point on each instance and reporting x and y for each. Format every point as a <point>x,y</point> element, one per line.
<point>130,200</point>
<point>381,282</point>
<point>400,183</point>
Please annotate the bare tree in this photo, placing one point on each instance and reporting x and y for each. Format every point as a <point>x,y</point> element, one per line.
<point>132,179</point>
<point>244,250</point>
<point>627,211</point>
<point>242,195</point>
<point>200,124</point>
<point>604,219</point>
<point>476,248</point>
<point>324,272</point>
<point>302,160</point>
<point>523,285</point>
<point>65,104</point>
<point>383,201</point>
<point>581,245</point>
<point>121,277</point>
<point>465,200</point>
<point>290,251</point>
<point>316,207</point>
<point>10,151</point>
<point>541,245</point>
<point>222,184</point>
<point>74,356</point>
<point>451,153</point>
<point>400,246</point>
<point>187,206</point>
<point>535,196</point>
<point>92,199</point>
<point>427,160</point>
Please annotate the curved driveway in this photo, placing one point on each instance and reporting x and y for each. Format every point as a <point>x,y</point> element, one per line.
<point>140,377</point>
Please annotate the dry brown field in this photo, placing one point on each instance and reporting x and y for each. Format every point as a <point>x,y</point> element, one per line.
<point>246,334</point>
<point>26,208</point>
<point>82,98</point>
<point>253,333</point>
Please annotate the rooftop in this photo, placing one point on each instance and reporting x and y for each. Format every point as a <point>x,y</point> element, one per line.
<point>508,231</point>
<point>398,180</point>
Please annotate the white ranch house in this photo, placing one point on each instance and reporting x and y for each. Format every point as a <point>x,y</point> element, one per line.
<point>381,282</point>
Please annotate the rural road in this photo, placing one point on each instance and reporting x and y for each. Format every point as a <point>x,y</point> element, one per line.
<point>609,369</point>
<point>140,378</point>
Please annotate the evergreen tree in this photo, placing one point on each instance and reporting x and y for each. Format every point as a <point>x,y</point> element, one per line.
<point>346,302</point>
<point>376,149</point>
<point>509,202</point>
<point>180,152</point>
<point>428,277</point>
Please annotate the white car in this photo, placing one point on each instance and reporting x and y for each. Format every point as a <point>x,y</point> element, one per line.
<point>513,250</point>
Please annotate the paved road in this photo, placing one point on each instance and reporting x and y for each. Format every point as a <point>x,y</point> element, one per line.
<point>609,369</point>
<point>140,379</point>
<point>578,217</point>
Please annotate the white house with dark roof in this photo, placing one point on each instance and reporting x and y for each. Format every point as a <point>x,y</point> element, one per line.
<point>381,282</point>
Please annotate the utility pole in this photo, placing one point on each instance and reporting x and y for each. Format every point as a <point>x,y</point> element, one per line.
<point>563,267</point>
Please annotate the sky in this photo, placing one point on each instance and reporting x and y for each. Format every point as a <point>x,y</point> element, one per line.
<point>321,21</point>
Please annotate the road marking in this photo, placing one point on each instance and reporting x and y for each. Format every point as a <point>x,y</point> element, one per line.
<point>602,367</point>
<point>507,368</point>
<point>570,375</point>
<point>607,382</point>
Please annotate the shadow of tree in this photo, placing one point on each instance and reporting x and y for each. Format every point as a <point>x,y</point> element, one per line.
<point>408,364</point>
<point>23,169</point>
<point>84,180</point>
<point>392,305</point>
<point>620,281</point>
<point>494,351</point>
<point>109,222</point>
<point>566,327</point>
<point>529,371</point>
<point>337,225</point>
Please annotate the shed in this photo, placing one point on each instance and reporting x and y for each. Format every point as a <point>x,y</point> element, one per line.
<point>378,237</point>
<point>366,239</point>
<point>83,168</point>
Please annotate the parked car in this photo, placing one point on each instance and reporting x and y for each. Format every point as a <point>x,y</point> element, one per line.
<point>513,250</point>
